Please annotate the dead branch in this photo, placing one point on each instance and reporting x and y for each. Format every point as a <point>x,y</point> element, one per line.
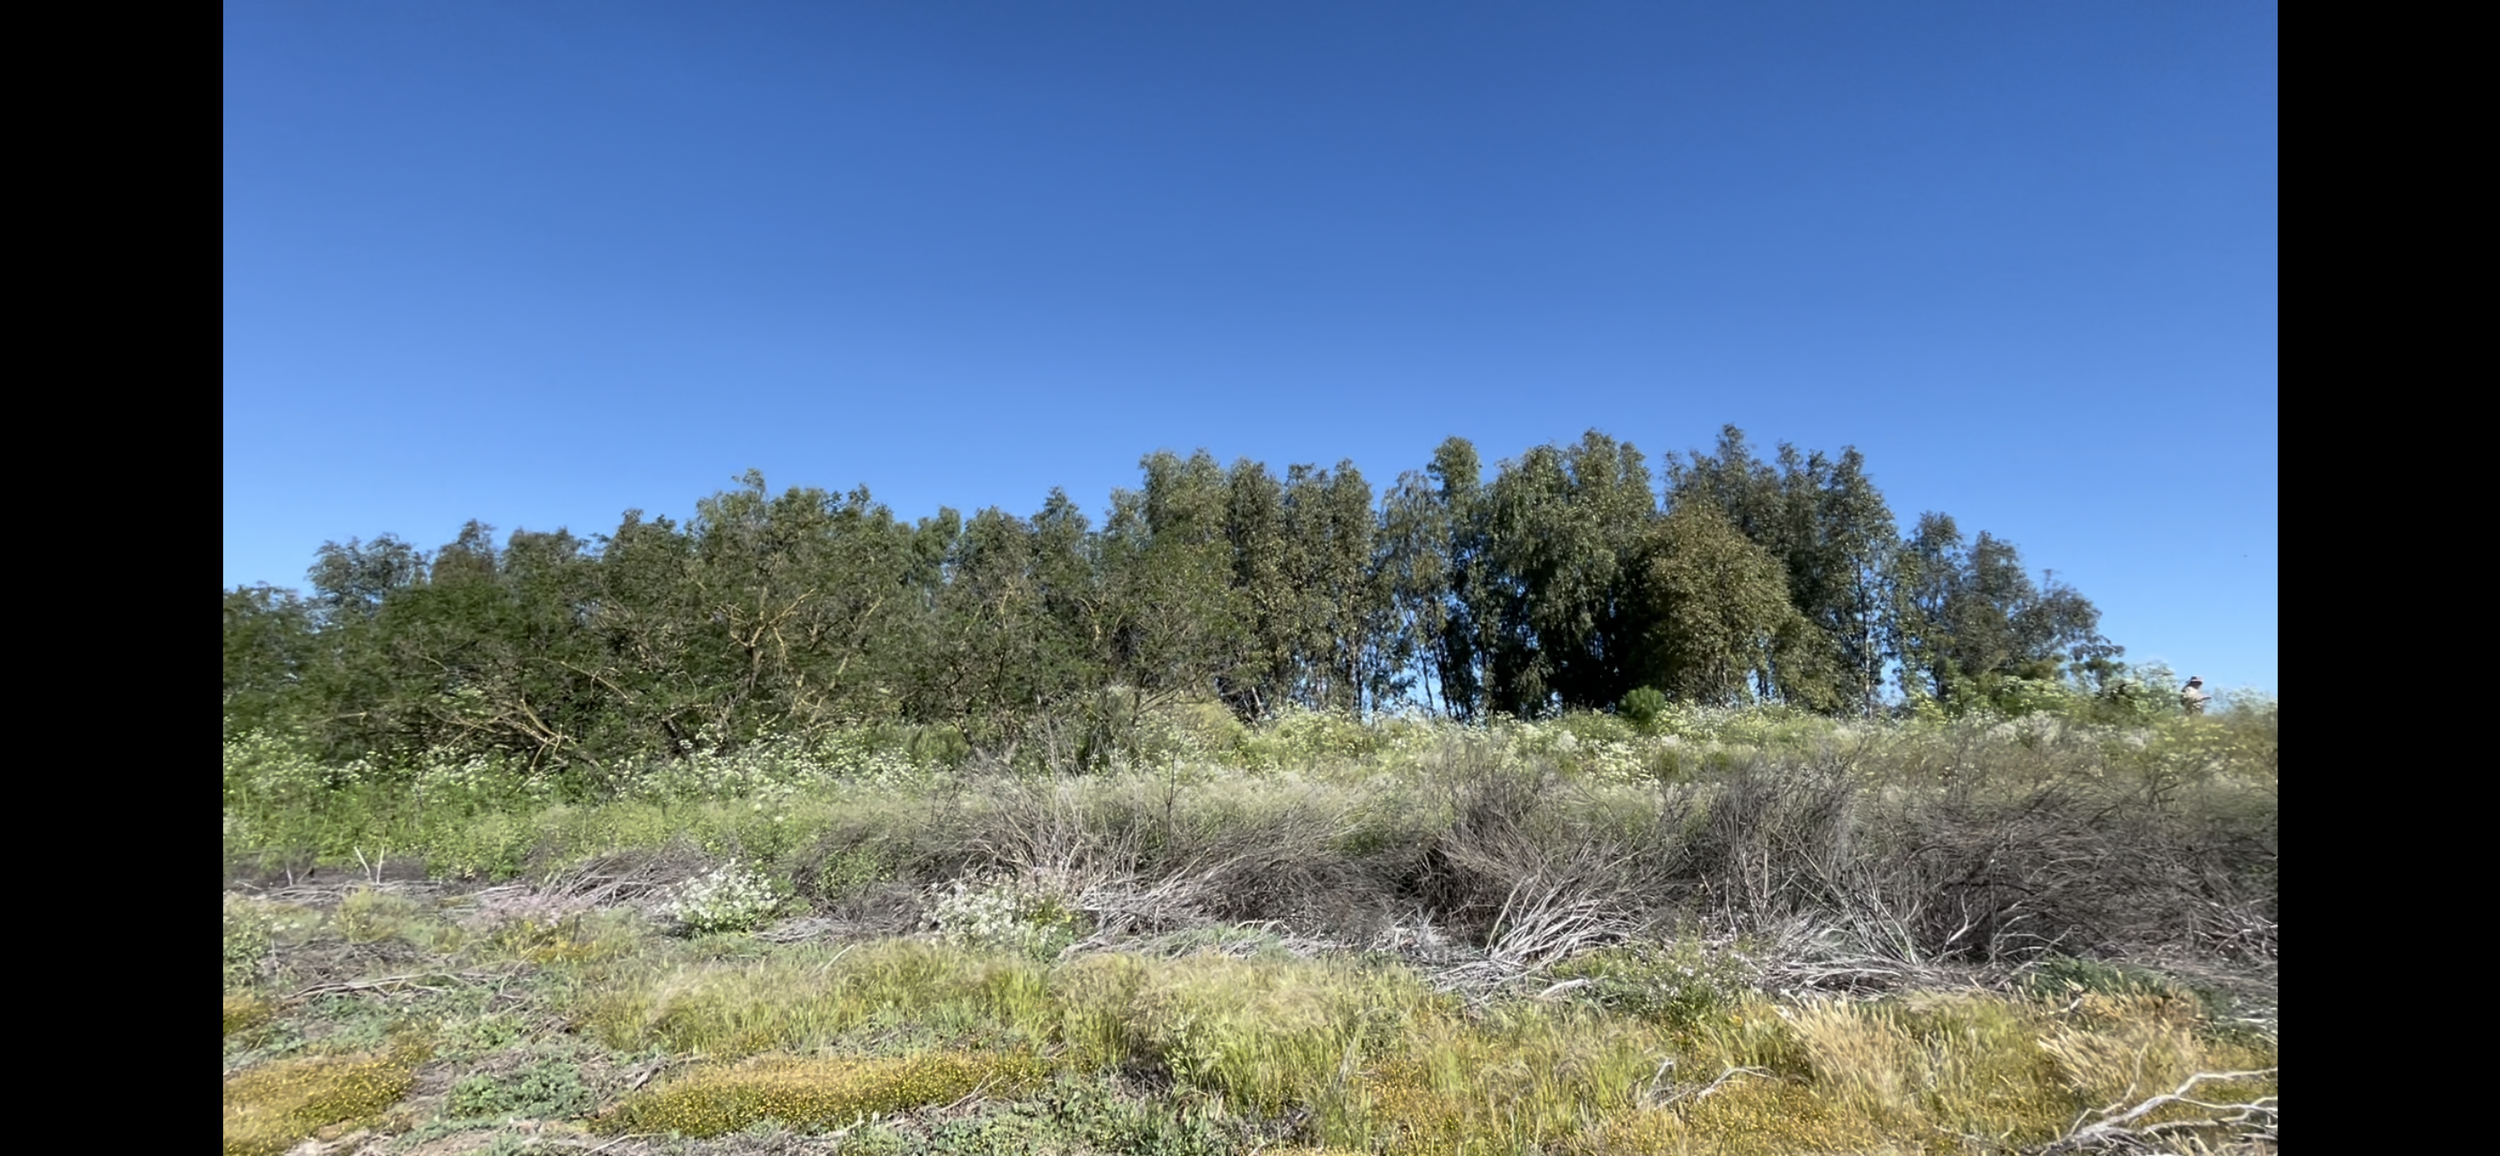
<point>400,983</point>
<point>1712,1086</point>
<point>2254,1119</point>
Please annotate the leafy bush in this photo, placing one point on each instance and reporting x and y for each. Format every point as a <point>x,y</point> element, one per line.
<point>1298,737</point>
<point>1005,914</point>
<point>727,898</point>
<point>1644,705</point>
<point>247,939</point>
<point>1678,986</point>
<point>549,1090</point>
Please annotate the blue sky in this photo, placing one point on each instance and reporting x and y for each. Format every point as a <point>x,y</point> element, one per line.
<point>536,264</point>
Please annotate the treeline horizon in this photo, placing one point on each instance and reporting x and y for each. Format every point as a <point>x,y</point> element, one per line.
<point>1572,578</point>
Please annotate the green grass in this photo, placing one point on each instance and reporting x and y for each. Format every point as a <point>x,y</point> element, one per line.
<point>1221,1052</point>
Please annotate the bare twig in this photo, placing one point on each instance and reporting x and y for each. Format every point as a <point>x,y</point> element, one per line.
<point>621,1139</point>
<point>1564,986</point>
<point>1712,1086</point>
<point>970,1096</point>
<point>661,1065</point>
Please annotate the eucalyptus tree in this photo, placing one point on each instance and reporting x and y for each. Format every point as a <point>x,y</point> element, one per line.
<point>994,648</point>
<point>493,652</point>
<point>801,596</point>
<point>646,612</point>
<point>1328,525</point>
<point>1967,616</point>
<point>1927,570</point>
<point>1176,620</point>
<point>1563,527</point>
<point>1839,537</point>
<point>1747,491</point>
<point>1558,584</point>
<point>269,645</point>
<point>1715,607</point>
<point>1261,676</point>
<point>352,669</point>
<point>1412,558</point>
<point>1470,621</point>
<point>351,581</point>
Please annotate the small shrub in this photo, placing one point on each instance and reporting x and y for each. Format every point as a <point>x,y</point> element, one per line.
<point>468,1038</point>
<point>1004,914</point>
<point>1643,706</point>
<point>1102,1121</point>
<point>1677,986</point>
<point>851,870</point>
<point>727,898</point>
<point>550,1090</point>
<point>564,940</point>
<point>369,916</point>
<point>249,931</point>
<point>1297,737</point>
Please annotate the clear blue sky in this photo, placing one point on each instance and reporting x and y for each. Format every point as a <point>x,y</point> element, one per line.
<point>538,263</point>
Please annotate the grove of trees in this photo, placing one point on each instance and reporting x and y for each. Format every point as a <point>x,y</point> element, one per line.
<point>1571,577</point>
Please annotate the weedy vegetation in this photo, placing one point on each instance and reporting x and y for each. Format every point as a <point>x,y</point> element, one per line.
<point>1663,930</point>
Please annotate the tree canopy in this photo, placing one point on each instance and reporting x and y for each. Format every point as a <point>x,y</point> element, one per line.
<point>1570,578</point>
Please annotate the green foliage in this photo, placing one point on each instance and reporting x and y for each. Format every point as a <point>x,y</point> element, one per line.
<point>1561,532</point>
<point>803,1000</point>
<point>550,1090</point>
<point>583,668</point>
<point>248,927</point>
<point>1295,737</point>
<point>1967,618</point>
<point>1090,1114</point>
<point>2056,976</point>
<point>1683,986</point>
<point>371,916</point>
<point>1067,1116</point>
<point>729,897</point>
<point>1717,607</point>
<point>1643,705</point>
<point>828,1092</point>
<point>851,869</point>
<point>1005,913</point>
<point>269,649</point>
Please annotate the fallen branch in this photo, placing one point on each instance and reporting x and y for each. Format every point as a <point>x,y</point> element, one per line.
<point>661,1065</point>
<point>1712,1086</point>
<point>1564,986</point>
<point>2254,1119</point>
<point>409,982</point>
